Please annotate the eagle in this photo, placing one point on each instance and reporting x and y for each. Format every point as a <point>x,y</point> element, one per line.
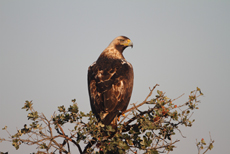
<point>110,82</point>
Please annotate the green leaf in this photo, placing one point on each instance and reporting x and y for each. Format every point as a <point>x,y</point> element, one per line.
<point>33,115</point>
<point>35,125</point>
<point>159,92</point>
<point>43,146</point>
<point>152,101</point>
<point>73,100</point>
<point>202,141</point>
<point>16,143</point>
<point>82,114</point>
<point>102,125</point>
<point>210,146</point>
<point>61,108</point>
<point>73,108</point>
<point>148,134</point>
<point>28,105</point>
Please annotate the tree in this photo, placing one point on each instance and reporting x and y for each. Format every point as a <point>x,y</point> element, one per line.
<point>150,131</point>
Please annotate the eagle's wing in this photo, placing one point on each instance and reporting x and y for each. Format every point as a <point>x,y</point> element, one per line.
<point>110,88</point>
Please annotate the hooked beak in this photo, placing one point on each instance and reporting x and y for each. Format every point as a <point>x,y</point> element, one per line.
<point>130,43</point>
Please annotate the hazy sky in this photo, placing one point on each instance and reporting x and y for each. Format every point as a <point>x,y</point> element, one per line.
<point>47,46</point>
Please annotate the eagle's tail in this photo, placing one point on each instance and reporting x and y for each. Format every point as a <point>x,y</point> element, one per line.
<point>111,119</point>
<point>114,122</point>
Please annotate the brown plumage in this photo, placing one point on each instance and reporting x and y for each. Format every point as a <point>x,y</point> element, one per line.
<point>110,82</point>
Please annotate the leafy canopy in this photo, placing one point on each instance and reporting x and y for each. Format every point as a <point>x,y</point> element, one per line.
<point>150,131</point>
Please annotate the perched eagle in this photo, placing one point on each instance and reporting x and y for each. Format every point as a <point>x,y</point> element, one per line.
<point>110,82</point>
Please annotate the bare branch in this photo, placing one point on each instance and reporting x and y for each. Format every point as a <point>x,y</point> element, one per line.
<point>150,93</point>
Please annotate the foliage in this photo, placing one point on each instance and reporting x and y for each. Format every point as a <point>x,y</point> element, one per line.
<point>202,145</point>
<point>150,131</point>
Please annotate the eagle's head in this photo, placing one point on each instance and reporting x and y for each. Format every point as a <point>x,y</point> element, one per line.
<point>121,42</point>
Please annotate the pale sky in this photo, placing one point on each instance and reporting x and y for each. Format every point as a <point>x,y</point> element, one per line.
<point>47,46</point>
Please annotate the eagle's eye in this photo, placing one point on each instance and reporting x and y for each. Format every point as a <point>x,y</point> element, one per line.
<point>121,40</point>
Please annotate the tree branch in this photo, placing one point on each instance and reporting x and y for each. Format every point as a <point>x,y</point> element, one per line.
<point>89,145</point>
<point>67,138</point>
<point>150,93</point>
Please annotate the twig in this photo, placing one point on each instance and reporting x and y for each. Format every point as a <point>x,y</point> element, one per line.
<point>211,142</point>
<point>68,139</point>
<point>136,116</point>
<point>61,129</point>
<point>181,133</point>
<point>124,118</point>
<point>150,93</point>
<point>177,97</point>
<point>90,144</point>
